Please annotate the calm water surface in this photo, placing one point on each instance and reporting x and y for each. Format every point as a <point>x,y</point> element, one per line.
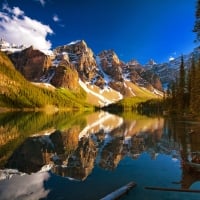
<point>80,156</point>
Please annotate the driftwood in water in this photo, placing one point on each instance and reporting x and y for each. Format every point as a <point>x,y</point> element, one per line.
<point>119,192</point>
<point>172,189</point>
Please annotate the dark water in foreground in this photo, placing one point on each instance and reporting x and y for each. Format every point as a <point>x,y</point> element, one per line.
<point>78,156</point>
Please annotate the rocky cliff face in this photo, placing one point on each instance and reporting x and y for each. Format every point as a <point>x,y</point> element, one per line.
<point>104,77</point>
<point>111,65</point>
<point>142,76</point>
<point>119,76</point>
<point>31,63</point>
<point>65,76</point>
<point>81,57</point>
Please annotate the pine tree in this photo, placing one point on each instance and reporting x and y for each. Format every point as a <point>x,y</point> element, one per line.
<point>192,78</point>
<point>174,95</point>
<point>197,22</point>
<point>196,105</point>
<point>188,89</point>
<point>181,88</point>
<point>195,70</point>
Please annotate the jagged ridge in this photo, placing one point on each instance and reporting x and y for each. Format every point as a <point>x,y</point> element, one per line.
<point>104,77</point>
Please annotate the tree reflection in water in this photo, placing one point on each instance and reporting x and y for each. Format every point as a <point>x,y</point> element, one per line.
<point>105,140</point>
<point>72,148</point>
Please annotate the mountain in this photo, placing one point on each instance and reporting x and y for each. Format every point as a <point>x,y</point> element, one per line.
<point>146,78</point>
<point>31,63</point>
<point>81,56</point>
<point>104,77</point>
<point>18,92</point>
<point>100,75</point>
<point>169,71</point>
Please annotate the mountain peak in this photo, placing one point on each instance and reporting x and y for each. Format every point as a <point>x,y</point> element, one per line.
<point>6,46</point>
<point>79,42</point>
<point>77,47</point>
<point>110,55</point>
<point>152,62</point>
<point>133,62</point>
<point>104,77</point>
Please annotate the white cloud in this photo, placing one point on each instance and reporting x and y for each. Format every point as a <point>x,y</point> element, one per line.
<point>56,18</point>
<point>16,11</point>
<point>171,58</point>
<point>17,28</point>
<point>19,189</point>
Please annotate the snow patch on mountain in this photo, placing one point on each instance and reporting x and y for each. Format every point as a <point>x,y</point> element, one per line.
<point>6,46</point>
<point>106,77</point>
<point>104,100</point>
<point>74,42</point>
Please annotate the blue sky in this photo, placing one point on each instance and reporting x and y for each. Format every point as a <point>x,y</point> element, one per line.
<point>134,29</point>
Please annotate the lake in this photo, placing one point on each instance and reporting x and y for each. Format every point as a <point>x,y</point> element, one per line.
<point>86,156</point>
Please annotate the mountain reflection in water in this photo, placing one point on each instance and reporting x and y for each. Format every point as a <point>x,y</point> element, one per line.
<point>73,145</point>
<point>72,152</point>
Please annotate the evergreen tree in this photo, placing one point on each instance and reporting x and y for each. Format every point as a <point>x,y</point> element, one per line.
<point>188,89</point>
<point>192,78</point>
<point>197,22</point>
<point>181,87</point>
<point>195,68</point>
<point>174,95</point>
<point>196,98</point>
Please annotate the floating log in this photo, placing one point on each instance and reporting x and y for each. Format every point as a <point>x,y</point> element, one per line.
<point>119,192</point>
<point>172,189</point>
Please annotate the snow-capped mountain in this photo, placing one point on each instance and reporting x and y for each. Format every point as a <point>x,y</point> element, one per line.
<point>104,77</point>
<point>169,71</point>
<point>6,46</point>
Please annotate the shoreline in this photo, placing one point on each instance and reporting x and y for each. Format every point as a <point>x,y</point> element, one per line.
<point>47,109</point>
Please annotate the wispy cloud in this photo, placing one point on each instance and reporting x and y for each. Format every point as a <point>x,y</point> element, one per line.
<point>56,18</point>
<point>42,2</point>
<point>62,25</point>
<point>16,11</point>
<point>16,27</point>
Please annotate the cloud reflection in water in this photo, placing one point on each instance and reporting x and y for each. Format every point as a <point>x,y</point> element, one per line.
<point>27,187</point>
